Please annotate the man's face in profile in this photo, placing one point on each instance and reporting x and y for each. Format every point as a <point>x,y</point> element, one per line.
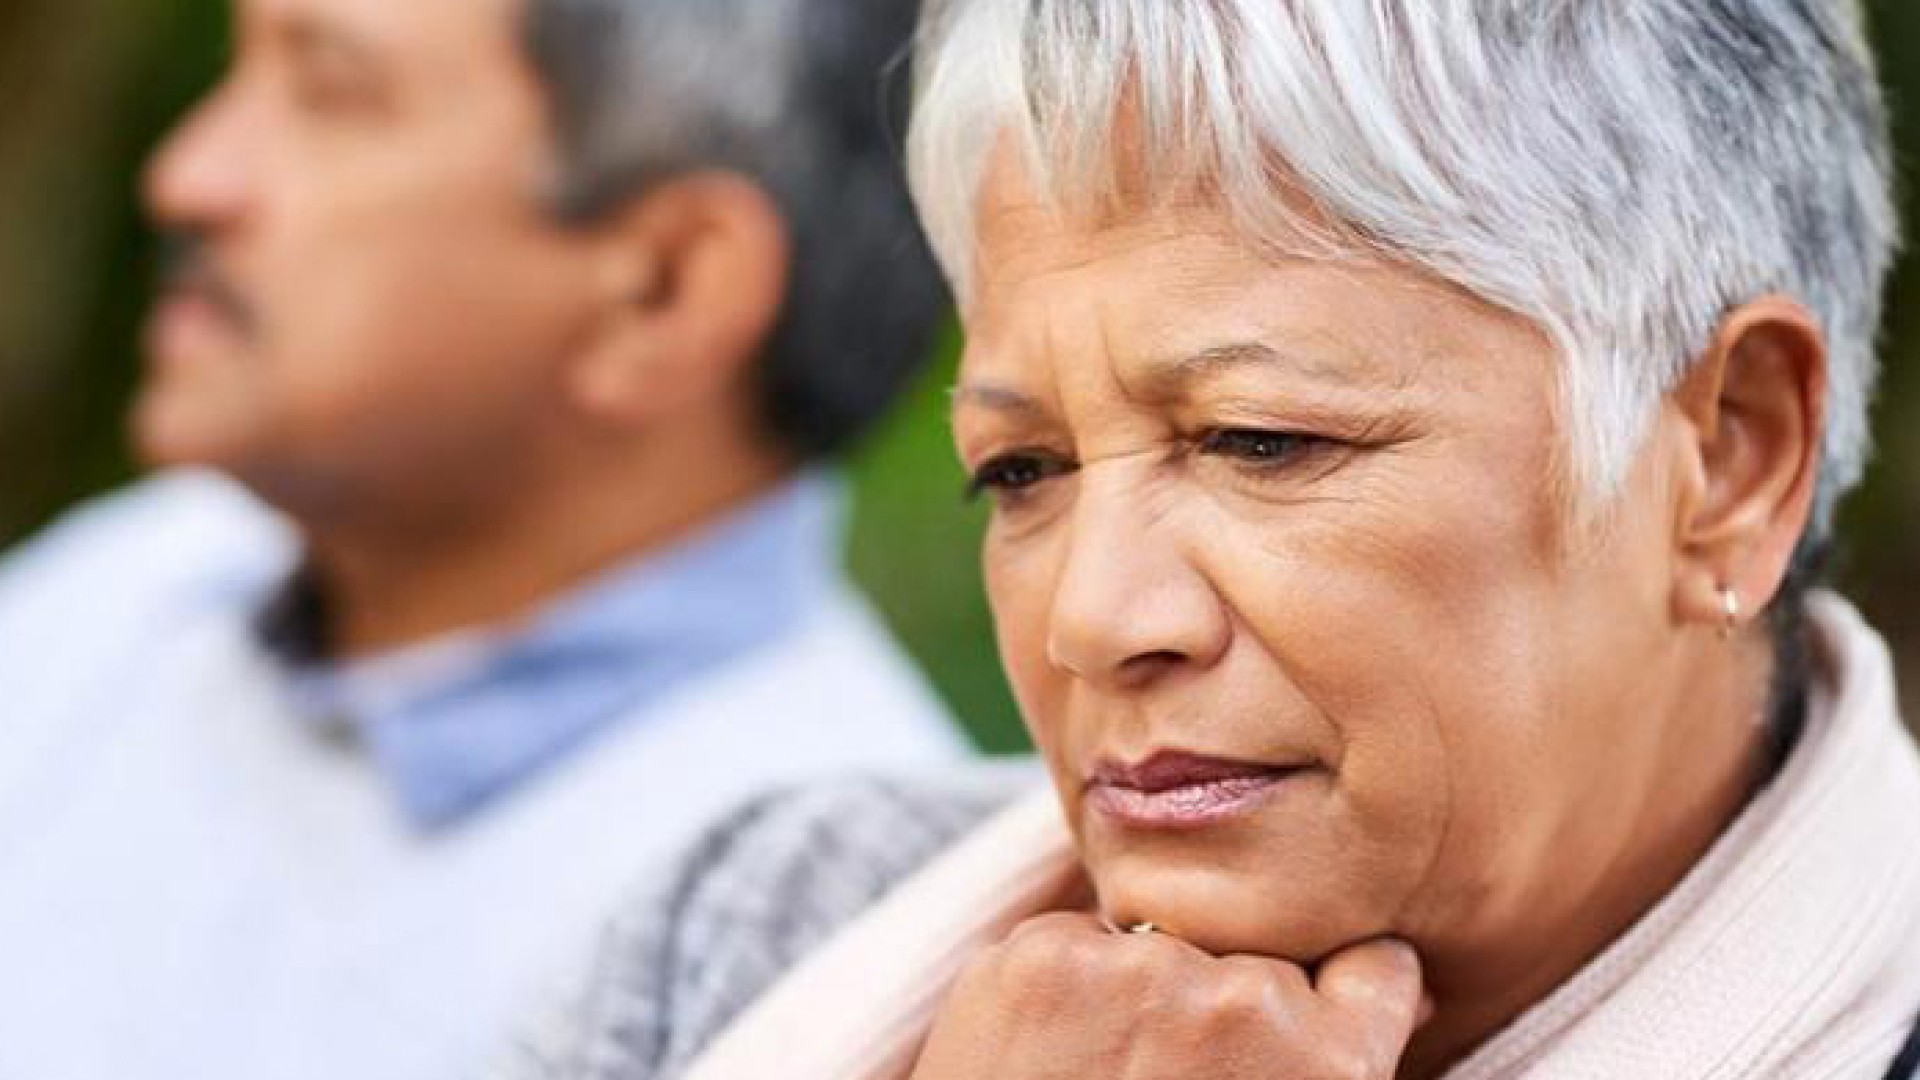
<point>365,286</point>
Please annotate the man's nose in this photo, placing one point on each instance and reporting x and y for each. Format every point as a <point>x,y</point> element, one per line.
<point>1130,602</point>
<point>203,174</point>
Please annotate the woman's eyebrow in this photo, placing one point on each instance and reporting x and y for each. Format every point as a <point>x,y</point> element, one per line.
<point>1174,377</point>
<point>1171,376</point>
<point>997,397</point>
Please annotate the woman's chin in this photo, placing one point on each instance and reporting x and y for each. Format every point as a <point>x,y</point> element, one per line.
<point>1286,917</point>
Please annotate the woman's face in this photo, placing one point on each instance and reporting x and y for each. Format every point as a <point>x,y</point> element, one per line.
<point>1292,595</point>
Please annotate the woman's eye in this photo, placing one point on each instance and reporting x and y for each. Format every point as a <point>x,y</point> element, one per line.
<point>1011,474</point>
<point>1257,447</point>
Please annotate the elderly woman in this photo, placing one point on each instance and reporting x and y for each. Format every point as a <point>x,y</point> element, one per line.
<point>1412,429</point>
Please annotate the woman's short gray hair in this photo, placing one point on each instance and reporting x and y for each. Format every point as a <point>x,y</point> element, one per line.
<point>1620,172</point>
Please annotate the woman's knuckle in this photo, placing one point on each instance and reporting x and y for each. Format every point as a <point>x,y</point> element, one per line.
<point>1244,988</point>
<point>1185,1006</point>
<point>1044,959</point>
<point>1128,965</point>
<point>1343,1061</point>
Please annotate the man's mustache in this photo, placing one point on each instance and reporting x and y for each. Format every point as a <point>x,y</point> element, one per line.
<point>187,268</point>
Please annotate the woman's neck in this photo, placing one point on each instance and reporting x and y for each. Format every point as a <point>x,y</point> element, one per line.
<point>1719,758</point>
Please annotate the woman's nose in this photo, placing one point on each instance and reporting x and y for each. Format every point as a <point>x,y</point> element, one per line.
<point>1130,603</point>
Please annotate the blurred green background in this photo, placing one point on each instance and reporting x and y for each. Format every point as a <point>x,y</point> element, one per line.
<point>87,87</point>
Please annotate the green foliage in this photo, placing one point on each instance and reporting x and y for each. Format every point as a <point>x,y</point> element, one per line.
<point>915,545</point>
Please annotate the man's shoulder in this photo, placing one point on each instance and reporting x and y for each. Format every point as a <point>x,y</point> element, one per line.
<point>175,536</point>
<point>171,522</point>
<point>755,894</point>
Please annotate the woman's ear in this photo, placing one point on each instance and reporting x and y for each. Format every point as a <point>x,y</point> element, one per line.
<point>694,275</point>
<point>1755,406</point>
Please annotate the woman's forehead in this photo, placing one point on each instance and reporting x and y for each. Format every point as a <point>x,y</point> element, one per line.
<point>1175,313</point>
<point>1028,221</point>
<point>1172,294</point>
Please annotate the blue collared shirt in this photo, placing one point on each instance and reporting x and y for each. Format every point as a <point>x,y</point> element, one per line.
<point>455,723</point>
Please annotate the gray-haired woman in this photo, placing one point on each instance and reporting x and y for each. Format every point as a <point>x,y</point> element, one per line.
<point>1413,428</point>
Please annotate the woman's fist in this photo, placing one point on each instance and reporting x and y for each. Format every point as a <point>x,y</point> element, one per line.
<point>1065,998</point>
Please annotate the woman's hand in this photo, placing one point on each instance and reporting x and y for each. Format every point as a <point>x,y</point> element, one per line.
<point>1064,998</point>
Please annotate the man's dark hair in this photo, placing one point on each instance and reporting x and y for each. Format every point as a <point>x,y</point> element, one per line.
<point>808,99</point>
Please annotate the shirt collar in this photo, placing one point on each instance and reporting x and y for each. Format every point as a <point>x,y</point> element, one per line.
<point>454,723</point>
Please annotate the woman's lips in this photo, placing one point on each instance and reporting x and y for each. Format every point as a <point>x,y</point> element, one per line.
<point>1181,791</point>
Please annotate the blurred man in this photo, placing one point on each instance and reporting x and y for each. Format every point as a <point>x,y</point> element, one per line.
<point>528,321</point>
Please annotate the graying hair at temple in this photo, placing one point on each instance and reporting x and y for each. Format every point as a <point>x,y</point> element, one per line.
<point>808,99</point>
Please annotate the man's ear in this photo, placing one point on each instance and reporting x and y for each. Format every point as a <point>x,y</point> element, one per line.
<point>694,274</point>
<point>1755,409</point>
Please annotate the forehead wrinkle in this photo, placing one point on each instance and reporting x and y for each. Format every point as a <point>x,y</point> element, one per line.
<point>1153,452</point>
<point>1045,338</point>
<point>1173,377</point>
